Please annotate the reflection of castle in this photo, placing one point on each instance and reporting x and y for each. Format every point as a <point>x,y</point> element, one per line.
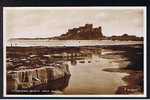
<point>83,32</point>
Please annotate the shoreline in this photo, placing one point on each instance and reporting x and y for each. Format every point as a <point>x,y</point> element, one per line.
<point>69,43</point>
<point>129,63</point>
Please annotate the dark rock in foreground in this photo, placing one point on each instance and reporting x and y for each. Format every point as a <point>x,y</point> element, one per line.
<point>28,78</point>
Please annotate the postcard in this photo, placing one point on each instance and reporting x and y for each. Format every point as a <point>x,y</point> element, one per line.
<point>74,51</point>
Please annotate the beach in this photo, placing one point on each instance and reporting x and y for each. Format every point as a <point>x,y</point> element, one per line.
<point>94,69</point>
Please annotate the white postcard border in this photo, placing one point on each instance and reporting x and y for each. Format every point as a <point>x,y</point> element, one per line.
<point>96,7</point>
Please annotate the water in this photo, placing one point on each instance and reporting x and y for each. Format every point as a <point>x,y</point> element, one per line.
<point>89,78</point>
<point>53,43</point>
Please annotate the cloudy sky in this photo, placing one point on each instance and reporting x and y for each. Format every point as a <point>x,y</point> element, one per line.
<point>47,22</point>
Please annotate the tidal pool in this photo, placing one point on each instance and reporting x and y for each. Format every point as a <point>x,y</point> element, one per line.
<point>88,77</point>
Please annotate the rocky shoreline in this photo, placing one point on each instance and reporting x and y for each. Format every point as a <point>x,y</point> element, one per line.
<point>21,80</point>
<point>130,60</point>
<point>45,65</point>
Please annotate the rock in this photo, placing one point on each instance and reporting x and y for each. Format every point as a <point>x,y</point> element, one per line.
<point>81,61</point>
<point>27,78</point>
<point>86,32</point>
<point>12,83</point>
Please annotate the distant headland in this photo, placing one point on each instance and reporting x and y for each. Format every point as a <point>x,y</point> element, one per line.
<point>88,32</point>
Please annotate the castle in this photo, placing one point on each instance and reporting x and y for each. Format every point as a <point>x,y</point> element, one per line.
<point>83,33</point>
<point>88,32</point>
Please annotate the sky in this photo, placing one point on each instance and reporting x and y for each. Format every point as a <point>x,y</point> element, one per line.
<point>34,22</point>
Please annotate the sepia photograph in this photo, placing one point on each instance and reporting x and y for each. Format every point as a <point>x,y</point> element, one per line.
<point>74,51</point>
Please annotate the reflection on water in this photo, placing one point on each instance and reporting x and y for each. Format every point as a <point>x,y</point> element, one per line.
<point>89,78</point>
<point>87,75</point>
<point>59,84</point>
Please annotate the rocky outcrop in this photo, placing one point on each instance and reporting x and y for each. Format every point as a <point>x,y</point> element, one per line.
<point>125,37</point>
<point>86,32</point>
<point>28,78</point>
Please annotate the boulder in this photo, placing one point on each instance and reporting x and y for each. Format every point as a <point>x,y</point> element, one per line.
<point>24,79</point>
